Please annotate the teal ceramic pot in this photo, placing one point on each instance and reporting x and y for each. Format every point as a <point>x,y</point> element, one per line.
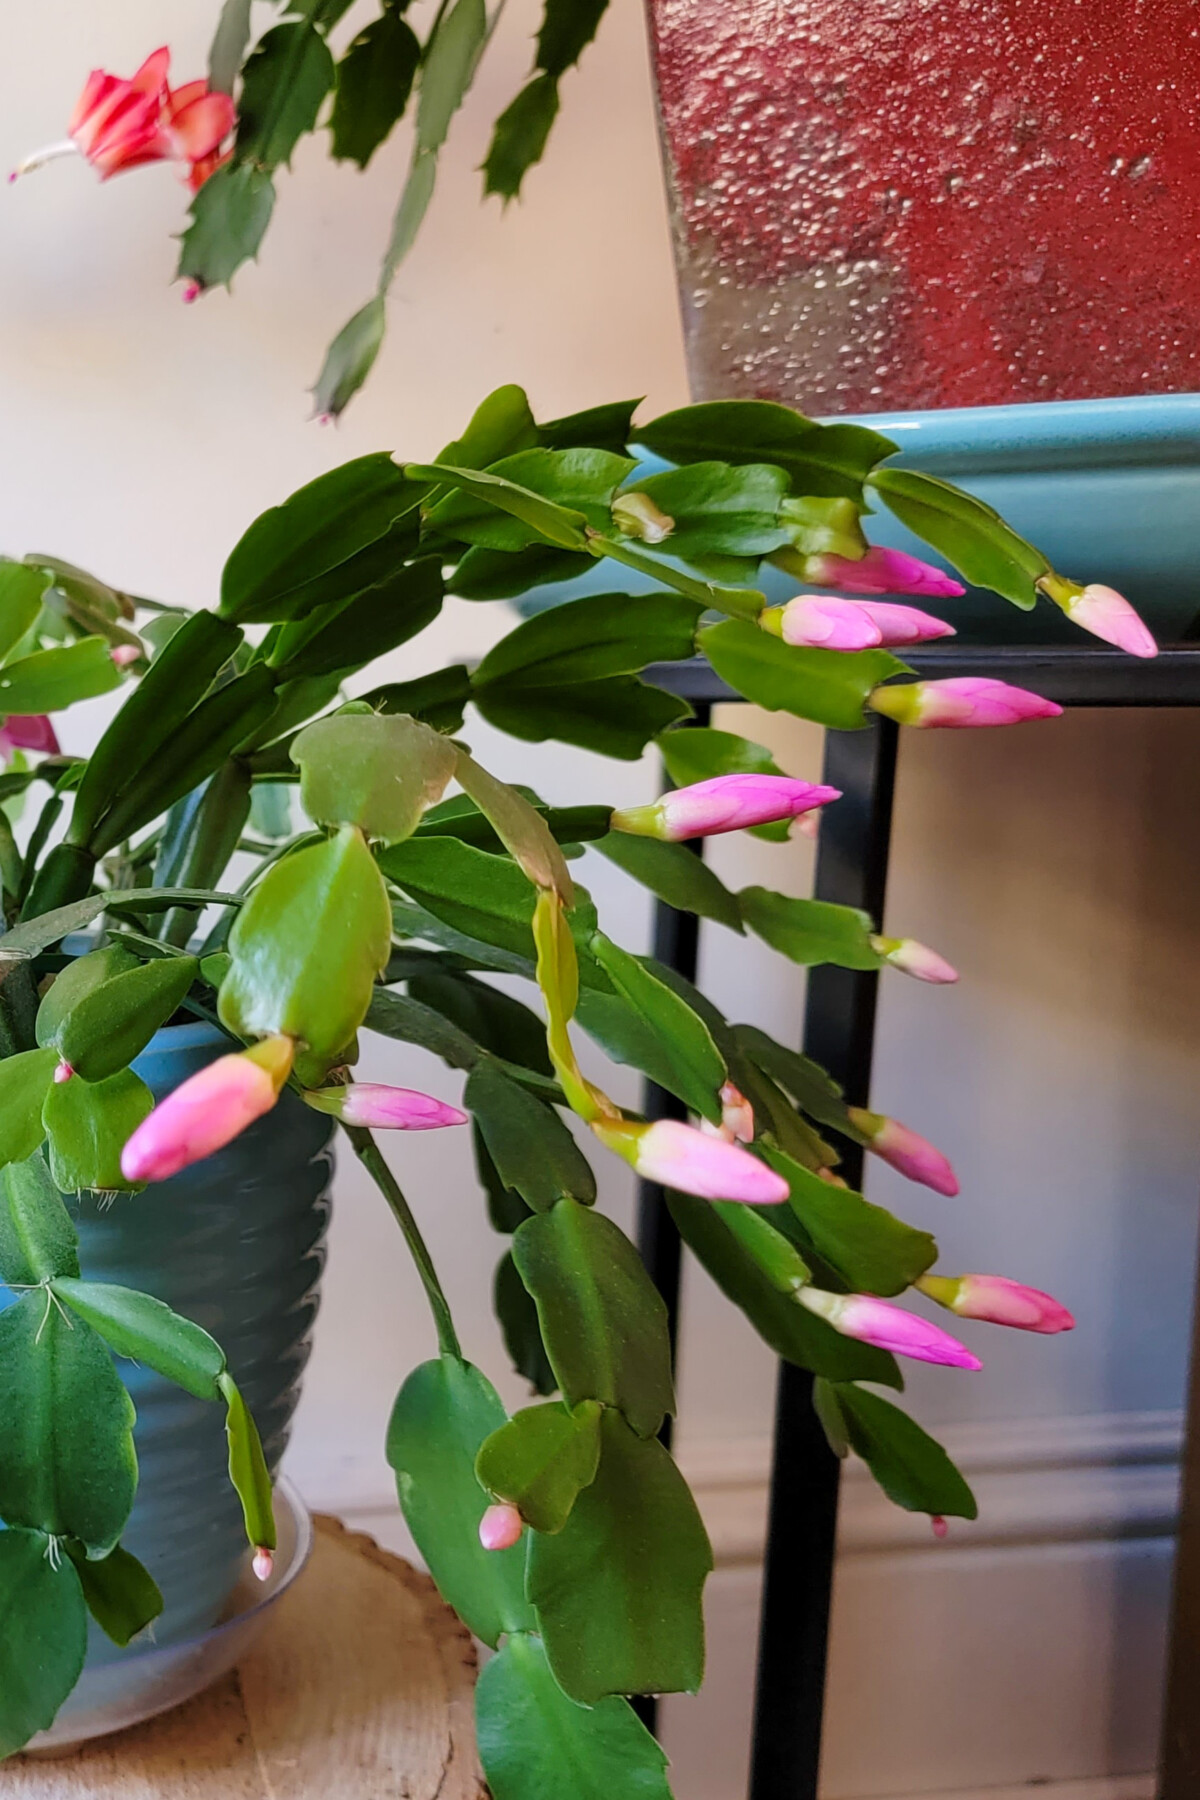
<point>1108,489</point>
<point>237,1244</point>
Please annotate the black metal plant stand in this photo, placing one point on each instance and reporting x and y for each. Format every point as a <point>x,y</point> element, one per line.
<point>839,1030</point>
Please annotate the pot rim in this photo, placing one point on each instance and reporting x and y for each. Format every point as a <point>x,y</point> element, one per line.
<point>1142,428</point>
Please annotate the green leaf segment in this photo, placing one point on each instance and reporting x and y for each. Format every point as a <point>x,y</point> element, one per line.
<point>68,1473</point>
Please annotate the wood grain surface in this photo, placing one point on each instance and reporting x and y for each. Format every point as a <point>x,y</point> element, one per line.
<point>360,1688</point>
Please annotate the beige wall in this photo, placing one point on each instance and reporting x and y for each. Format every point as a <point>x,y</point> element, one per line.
<point>1056,865</point>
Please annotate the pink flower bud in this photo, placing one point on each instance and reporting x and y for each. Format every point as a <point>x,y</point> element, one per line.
<point>678,1156</point>
<point>28,731</point>
<point>820,622</point>
<point>384,1108</point>
<point>881,572</point>
<point>737,1118</point>
<point>962,700</point>
<point>874,1321</point>
<point>905,1150</point>
<point>62,1072</point>
<point>264,1563</point>
<point>939,1526</point>
<point>208,1111</point>
<point>125,654</point>
<point>998,1301</point>
<point>1108,615</point>
<point>914,959</point>
<point>723,803</point>
<point>809,825</point>
<point>500,1528</point>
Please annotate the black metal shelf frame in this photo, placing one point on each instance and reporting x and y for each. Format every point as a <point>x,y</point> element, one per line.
<point>839,1030</point>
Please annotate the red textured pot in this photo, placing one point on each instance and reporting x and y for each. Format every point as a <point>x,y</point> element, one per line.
<point>897,204</point>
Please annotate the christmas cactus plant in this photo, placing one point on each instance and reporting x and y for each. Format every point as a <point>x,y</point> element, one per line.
<point>564,1536</point>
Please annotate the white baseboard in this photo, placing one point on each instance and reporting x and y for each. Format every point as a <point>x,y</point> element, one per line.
<point>1038,1481</point>
<point>1020,1659</point>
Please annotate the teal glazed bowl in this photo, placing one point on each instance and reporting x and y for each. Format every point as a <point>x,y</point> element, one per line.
<point>1108,489</point>
<point>237,1244</point>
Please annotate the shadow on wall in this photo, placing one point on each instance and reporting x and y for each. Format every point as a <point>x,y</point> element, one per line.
<point>1060,870</point>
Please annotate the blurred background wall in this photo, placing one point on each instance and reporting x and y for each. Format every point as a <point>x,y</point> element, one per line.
<point>1057,867</point>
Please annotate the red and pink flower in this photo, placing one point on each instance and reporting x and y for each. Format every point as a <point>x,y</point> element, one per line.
<point>120,124</point>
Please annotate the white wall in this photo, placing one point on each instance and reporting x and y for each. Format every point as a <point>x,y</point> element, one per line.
<point>1055,865</point>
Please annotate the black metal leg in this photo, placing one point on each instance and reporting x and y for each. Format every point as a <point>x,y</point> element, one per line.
<point>839,1030</point>
<point>677,944</point>
<point>1179,1765</point>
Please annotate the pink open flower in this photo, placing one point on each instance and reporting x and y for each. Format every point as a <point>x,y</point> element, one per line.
<point>383,1108</point>
<point>998,1301</point>
<point>905,1150</point>
<point>874,1321</point>
<point>208,1111</point>
<point>723,803</point>
<point>915,959</point>
<point>28,731</point>
<point>678,1156</point>
<point>962,700</point>
<point>881,572</point>
<point>120,124</point>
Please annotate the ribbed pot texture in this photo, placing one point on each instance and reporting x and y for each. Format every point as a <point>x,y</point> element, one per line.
<point>235,1243</point>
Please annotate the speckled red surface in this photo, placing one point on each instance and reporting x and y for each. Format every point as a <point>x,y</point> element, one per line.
<point>899,203</point>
